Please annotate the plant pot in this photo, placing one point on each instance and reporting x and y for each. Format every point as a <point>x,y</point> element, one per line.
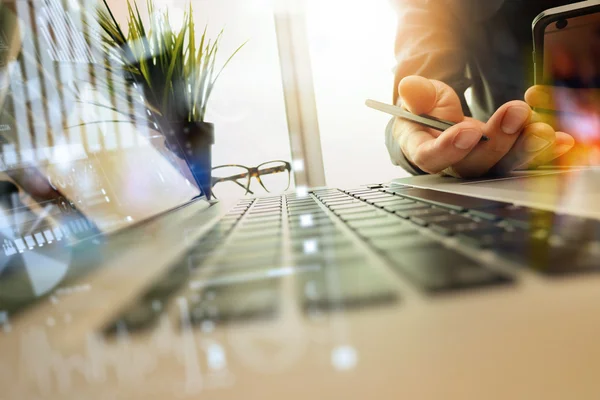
<point>192,141</point>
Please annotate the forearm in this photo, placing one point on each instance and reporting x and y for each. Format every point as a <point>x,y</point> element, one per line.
<point>429,44</point>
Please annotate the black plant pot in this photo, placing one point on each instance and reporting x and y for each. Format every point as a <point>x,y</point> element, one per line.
<point>192,141</point>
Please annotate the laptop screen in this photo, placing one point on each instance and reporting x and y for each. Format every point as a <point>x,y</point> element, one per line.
<point>76,138</point>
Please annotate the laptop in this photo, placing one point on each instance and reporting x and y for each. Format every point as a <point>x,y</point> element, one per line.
<point>119,280</point>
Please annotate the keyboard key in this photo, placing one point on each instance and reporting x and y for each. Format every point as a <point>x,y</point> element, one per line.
<point>299,213</point>
<point>332,195</point>
<point>493,237</point>
<point>308,200</point>
<point>328,256</point>
<point>261,219</point>
<point>540,251</point>
<point>358,191</point>
<point>444,222</point>
<point>337,197</point>
<point>405,207</point>
<point>254,235</point>
<point>308,220</point>
<point>392,243</point>
<point>367,215</point>
<point>352,286</point>
<point>387,231</point>
<point>373,196</point>
<point>304,203</point>
<point>303,210</point>
<point>517,216</point>
<point>263,212</point>
<point>458,227</point>
<point>408,210</point>
<point>269,199</point>
<point>357,204</point>
<point>354,210</point>
<point>537,250</point>
<point>349,200</point>
<point>247,228</point>
<point>324,230</point>
<point>268,204</point>
<point>300,244</point>
<point>392,201</point>
<point>318,214</point>
<point>436,269</point>
<point>244,300</point>
<point>415,215</point>
<point>376,223</point>
<point>450,200</point>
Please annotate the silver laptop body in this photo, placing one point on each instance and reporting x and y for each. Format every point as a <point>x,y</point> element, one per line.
<point>119,280</point>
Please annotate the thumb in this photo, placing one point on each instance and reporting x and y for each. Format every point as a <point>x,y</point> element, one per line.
<point>540,97</point>
<point>427,96</point>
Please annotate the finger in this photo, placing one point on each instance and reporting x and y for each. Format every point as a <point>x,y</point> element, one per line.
<point>535,139</point>
<point>434,155</point>
<point>562,145</point>
<point>563,99</point>
<point>503,130</point>
<point>540,116</point>
<point>426,96</point>
<point>540,96</point>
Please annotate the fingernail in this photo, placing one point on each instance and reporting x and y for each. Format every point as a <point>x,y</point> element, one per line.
<point>514,119</point>
<point>533,144</point>
<point>563,149</point>
<point>467,139</point>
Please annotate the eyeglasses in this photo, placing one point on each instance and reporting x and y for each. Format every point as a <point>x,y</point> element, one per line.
<point>232,180</point>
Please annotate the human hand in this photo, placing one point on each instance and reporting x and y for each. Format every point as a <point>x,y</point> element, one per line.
<point>517,140</point>
<point>570,99</point>
<point>576,111</point>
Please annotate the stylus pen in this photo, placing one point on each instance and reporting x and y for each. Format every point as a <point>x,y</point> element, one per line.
<point>425,120</point>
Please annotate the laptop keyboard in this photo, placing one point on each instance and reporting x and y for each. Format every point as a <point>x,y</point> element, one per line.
<point>547,242</point>
<point>338,275</point>
<point>235,272</point>
<point>389,223</point>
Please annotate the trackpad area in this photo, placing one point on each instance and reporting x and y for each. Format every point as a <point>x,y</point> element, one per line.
<point>552,183</point>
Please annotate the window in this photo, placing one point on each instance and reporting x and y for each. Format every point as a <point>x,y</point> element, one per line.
<point>352,53</point>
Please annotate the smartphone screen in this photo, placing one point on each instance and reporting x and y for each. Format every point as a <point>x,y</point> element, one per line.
<point>572,52</point>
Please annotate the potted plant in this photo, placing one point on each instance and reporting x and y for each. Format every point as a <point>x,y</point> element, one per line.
<point>177,71</point>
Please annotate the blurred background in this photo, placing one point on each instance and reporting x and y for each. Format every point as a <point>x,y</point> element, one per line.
<point>350,51</point>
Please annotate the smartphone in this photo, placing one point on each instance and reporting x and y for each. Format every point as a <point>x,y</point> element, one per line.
<point>566,45</point>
